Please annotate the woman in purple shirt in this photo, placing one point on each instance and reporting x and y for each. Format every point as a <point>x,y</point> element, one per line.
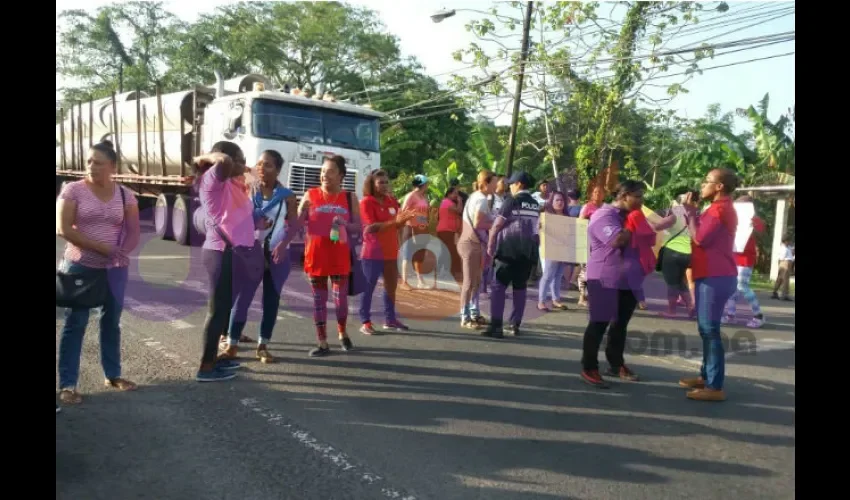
<point>613,267</point>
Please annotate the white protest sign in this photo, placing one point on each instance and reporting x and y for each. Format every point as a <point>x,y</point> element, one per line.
<point>746,211</point>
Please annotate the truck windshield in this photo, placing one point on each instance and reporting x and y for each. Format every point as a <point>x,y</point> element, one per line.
<point>293,122</point>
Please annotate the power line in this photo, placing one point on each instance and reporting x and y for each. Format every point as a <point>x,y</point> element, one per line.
<point>747,44</point>
<point>737,63</point>
<point>720,20</point>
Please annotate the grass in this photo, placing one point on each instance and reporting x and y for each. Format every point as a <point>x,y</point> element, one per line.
<point>761,282</point>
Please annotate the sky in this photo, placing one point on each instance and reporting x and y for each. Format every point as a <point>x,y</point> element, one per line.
<point>732,87</point>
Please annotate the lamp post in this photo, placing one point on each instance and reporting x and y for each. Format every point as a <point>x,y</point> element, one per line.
<point>526,27</point>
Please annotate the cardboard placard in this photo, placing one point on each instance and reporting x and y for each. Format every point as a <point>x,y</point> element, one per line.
<point>563,239</point>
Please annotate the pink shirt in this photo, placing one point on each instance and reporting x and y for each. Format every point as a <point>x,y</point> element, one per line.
<point>97,220</point>
<point>448,220</point>
<point>418,203</point>
<point>587,210</point>
<point>226,204</point>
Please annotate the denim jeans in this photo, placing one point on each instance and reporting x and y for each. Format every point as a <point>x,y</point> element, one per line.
<point>711,296</point>
<point>274,277</point>
<point>550,284</point>
<point>76,321</point>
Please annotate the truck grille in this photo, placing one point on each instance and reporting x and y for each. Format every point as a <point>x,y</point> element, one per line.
<point>304,177</point>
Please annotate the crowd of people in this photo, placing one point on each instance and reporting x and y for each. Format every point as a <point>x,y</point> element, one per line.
<point>492,237</point>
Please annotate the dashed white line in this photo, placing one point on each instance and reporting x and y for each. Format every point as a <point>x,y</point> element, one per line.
<point>329,453</point>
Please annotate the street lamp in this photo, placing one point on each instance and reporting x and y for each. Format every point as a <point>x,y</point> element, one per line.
<point>526,27</point>
<point>442,14</point>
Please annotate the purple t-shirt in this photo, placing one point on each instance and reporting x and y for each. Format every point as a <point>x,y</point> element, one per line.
<point>226,203</point>
<point>617,268</point>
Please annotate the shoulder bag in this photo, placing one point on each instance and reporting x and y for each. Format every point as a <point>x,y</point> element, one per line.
<point>658,265</point>
<point>356,278</point>
<point>86,289</point>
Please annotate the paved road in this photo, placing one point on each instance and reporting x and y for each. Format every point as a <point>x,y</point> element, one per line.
<point>436,413</point>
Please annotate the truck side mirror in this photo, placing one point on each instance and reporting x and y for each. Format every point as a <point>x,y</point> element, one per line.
<point>234,119</point>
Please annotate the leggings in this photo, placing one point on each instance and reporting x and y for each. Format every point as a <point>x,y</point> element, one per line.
<point>372,270</point>
<point>320,303</point>
<point>470,255</point>
<point>232,281</point>
<point>448,240</point>
<point>744,276</point>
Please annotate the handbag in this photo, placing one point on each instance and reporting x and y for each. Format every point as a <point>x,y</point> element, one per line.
<point>660,259</point>
<point>356,278</point>
<point>267,250</point>
<point>87,289</point>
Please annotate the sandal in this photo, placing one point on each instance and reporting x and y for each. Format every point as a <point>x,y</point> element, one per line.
<point>121,384</point>
<point>70,397</point>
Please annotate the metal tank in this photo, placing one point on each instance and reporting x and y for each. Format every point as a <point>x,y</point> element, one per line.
<point>141,140</point>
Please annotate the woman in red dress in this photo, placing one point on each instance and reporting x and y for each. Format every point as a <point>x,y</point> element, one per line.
<point>332,215</point>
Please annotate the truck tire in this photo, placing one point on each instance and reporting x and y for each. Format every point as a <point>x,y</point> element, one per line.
<point>162,216</point>
<point>182,220</point>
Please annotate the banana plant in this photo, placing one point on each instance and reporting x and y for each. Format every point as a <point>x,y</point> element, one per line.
<point>440,172</point>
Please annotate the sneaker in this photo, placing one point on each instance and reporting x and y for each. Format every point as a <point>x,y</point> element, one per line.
<point>263,354</point>
<point>346,343</point>
<point>319,352</point>
<point>480,320</point>
<point>58,409</point>
<point>513,330</point>
<point>231,353</point>
<point>227,365</point>
<point>215,375</point>
<point>367,328</point>
<point>469,324</point>
<point>756,322</point>
<point>593,378</point>
<point>396,325</point>
<point>624,373</point>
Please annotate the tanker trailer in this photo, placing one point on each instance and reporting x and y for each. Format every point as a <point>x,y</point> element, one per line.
<point>159,135</point>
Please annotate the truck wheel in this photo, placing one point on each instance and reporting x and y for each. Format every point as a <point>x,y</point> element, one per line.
<point>182,220</point>
<point>162,216</point>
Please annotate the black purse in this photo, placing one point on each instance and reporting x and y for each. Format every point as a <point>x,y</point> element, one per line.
<point>660,259</point>
<point>356,278</point>
<point>87,289</point>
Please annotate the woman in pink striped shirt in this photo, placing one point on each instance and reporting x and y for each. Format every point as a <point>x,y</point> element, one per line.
<point>99,220</point>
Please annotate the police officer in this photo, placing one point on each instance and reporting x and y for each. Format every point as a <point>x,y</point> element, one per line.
<point>514,246</point>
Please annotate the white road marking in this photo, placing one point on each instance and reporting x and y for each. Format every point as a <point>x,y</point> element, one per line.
<point>327,452</point>
<point>179,324</point>
<point>162,257</point>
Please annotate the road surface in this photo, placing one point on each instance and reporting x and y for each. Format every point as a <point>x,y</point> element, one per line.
<point>436,413</point>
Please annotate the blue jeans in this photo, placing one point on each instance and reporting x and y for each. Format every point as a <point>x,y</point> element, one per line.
<point>711,296</point>
<point>273,280</point>
<point>551,282</point>
<point>76,321</point>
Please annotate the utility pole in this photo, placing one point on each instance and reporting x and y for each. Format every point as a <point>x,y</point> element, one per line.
<point>526,27</point>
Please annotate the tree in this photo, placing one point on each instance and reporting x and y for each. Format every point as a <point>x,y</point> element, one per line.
<point>97,60</point>
<point>573,49</point>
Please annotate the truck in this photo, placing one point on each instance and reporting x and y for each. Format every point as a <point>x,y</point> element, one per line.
<point>157,136</point>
